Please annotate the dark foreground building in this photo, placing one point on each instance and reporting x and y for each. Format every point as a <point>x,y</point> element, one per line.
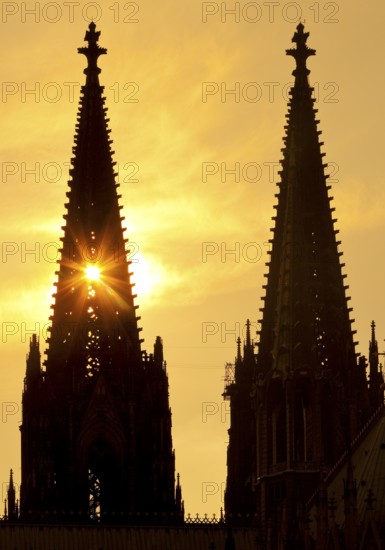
<point>302,409</point>
<point>306,456</point>
<point>98,466</point>
<point>96,430</point>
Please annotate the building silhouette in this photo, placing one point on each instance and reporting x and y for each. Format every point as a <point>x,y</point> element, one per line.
<point>96,429</point>
<point>98,466</point>
<point>306,450</point>
<point>302,408</point>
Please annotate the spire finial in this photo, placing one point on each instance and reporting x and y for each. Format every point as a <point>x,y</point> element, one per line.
<point>92,51</point>
<point>373,325</point>
<point>301,52</point>
<point>248,338</point>
<point>239,348</point>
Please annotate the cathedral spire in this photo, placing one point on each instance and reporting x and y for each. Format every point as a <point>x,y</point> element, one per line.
<point>96,432</point>
<point>11,498</point>
<point>373,352</point>
<point>248,352</point>
<point>312,397</point>
<point>308,393</point>
<point>158,352</point>
<point>373,341</point>
<point>305,321</point>
<point>376,380</point>
<point>93,288</point>
<point>33,370</point>
<point>248,336</point>
<point>238,358</point>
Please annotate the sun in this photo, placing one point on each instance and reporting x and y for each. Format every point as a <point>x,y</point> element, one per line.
<point>148,276</point>
<point>92,273</point>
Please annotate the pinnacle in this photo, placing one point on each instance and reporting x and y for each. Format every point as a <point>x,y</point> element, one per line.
<point>92,51</point>
<point>301,52</point>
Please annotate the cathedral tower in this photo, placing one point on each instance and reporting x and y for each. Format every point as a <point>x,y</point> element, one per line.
<point>239,497</point>
<point>96,428</point>
<point>309,394</point>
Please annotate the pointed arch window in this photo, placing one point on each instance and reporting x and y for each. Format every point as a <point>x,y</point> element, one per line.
<point>94,496</point>
<point>105,495</point>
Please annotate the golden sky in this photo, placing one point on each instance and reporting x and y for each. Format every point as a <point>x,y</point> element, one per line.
<point>168,78</point>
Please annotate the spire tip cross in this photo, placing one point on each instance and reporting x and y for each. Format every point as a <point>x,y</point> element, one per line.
<point>92,51</point>
<point>301,52</point>
<point>91,36</point>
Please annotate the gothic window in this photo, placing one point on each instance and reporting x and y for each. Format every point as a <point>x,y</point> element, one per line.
<point>104,480</point>
<point>94,496</point>
<point>277,424</point>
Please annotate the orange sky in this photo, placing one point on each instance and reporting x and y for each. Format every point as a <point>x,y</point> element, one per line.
<point>178,59</point>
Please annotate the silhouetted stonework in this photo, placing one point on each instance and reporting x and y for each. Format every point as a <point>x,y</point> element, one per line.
<point>306,451</point>
<point>302,398</point>
<point>96,429</point>
<point>61,537</point>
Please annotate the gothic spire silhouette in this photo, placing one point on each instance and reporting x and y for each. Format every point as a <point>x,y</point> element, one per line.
<point>309,394</point>
<point>93,238</point>
<point>376,380</point>
<point>11,499</point>
<point>96,433</point>
<point>305,321</point>
<point>312,393</point>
